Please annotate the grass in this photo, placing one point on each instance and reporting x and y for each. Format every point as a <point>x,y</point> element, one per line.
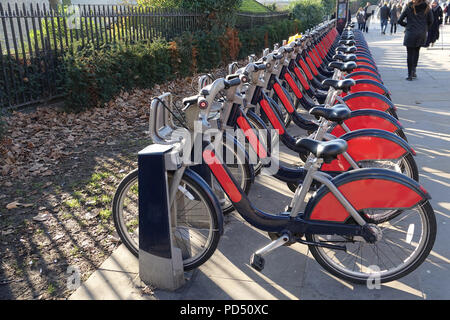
<point>253,6</point>
<point>51,289</point>
<point>72,203</point>
<point>105,214</point>
<point>132,225</point>
<point>75,251</point>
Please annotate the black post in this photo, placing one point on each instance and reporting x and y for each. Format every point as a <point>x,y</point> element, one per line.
<point>342,14</point>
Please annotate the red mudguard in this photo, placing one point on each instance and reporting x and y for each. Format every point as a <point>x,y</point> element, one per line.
<point>368,100</point>
<point>369,85</point>
<point>369,144</point>
<point>367,119</point>
<point>363,75</point>
<point>367,68</point>
<point>370,188</point>
<point>365,63</point>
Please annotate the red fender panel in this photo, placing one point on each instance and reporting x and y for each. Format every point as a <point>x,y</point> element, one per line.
<point>358,77</point>
<point>366,148</point>
<point>364,63</point>
<point>365,194</point>
<point>366,87</point>
<point>365,122</point>
<point>367,102</point>
<point>365,69</point>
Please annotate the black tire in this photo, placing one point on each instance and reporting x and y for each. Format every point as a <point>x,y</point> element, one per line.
<point>426,246</point>
<point>206,196</point>
<point>401,134</point>
<point>393,113</point>
<point>407,166</point>
<point>409,161</point>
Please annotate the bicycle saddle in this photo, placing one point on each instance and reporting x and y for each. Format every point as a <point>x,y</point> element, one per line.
<point>343,66</point>
<point>348,37</point>
<point>327,150</point>
<point>343,85</point>
<point>345,49</point>
<point>190,100</point>
<point>345,57</point>
<point>347,42</point>
<point>338,113</point>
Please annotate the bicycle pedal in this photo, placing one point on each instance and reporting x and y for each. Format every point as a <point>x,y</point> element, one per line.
<point>257,262</point>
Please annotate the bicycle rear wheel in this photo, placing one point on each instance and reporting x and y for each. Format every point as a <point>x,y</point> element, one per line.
<point>406,241</point>
<point>196,230</point>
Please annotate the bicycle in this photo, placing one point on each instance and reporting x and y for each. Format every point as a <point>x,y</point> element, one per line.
<point>337,218</point>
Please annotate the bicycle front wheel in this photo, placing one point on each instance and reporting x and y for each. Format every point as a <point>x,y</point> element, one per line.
<point>196,229</point>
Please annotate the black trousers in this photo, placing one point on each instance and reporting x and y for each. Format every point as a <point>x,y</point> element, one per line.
<point>412,58</point>
<point>394,27</point>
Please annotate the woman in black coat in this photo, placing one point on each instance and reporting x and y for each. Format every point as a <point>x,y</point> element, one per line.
<point>418,21</point>
<point>433,33</point>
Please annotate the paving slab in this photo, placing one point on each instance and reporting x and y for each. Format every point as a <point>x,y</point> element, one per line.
<point>291,272</point>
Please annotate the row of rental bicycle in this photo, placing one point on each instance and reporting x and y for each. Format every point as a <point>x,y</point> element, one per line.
<point>356,199</point>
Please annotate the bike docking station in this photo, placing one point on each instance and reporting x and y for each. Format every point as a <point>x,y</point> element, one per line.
<point>342,14</point>
<point>160,260</point>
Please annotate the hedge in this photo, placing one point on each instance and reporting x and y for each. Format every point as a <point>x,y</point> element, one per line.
<point>94,76</point>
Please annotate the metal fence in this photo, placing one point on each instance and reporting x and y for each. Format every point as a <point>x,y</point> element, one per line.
<point>34,38</point>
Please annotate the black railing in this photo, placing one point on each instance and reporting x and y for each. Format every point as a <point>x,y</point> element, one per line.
<point>34,38</point>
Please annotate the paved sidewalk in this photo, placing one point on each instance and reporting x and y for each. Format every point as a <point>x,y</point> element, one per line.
<point>291,272</point>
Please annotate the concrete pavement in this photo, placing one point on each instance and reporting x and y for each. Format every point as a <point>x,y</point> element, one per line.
<point>291,272</point>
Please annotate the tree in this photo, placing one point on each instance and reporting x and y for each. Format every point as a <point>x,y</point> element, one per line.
<point>219,12</point>
<point>329,6</point>
<point>308,12</point>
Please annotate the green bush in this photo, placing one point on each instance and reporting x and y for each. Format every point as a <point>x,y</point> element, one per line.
<point>309,12</point>
<point>329,6</point>
<point>95,76</point>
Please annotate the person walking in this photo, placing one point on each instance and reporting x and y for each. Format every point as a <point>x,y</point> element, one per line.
<point>360,19</point>
<point>447,12</point>
<point>367,15</point>
<point>418,18</point>
<point>393,17</point>
<point>433,32</point>
<point>384,16</point>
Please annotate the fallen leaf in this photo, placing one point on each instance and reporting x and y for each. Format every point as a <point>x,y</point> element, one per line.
<point>9,231</point>
<point>58,236</point>
<point>42,216</point>
<point>12,205</point>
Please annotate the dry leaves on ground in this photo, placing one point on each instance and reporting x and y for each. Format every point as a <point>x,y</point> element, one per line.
<point>36,142</point>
